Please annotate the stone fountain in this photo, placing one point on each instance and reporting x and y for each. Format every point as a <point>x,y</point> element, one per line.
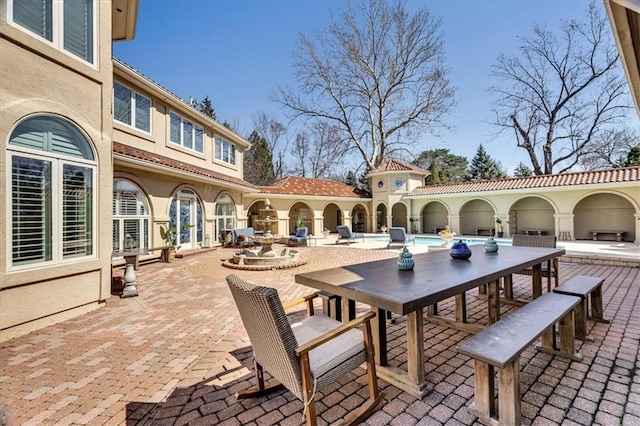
<point>267,257</point>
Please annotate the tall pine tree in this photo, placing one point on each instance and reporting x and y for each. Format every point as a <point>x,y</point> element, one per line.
<point>258,161</point>
<point>484,167</point>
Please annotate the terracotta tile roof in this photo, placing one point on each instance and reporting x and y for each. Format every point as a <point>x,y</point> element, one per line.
<point>292,185</point>
<point>393,165</point>
<point>146,156</point>
<point>627,174</point>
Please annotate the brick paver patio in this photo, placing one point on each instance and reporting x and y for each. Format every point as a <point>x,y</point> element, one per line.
<point>177,354</point>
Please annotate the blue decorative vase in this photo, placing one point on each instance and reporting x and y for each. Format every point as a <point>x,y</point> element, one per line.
<point>405,261</point>
<point>491,245</point>
<point>460,251</point>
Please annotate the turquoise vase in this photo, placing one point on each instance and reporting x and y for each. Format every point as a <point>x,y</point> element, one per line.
<point>491,245</point>
<point>405,261</point>
<point>460,251</point>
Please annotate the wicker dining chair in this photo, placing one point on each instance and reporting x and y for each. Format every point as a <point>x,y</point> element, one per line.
<point>549,269</point>
<point>306,356</point>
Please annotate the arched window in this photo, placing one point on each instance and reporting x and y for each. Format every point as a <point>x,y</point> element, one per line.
<point>225,216</point>
<point>186,217</point>
<point>131,216</point>
<point>53,171</point>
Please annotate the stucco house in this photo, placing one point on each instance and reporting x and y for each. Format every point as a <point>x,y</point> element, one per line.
<point>56,84</point>
<point>94,151</point>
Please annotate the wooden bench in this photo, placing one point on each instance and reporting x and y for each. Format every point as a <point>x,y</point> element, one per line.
<point>500,345</point>
<point>583,286</point>
<point>619,234</point>
<point>536,231</point>
<point>489,231</point>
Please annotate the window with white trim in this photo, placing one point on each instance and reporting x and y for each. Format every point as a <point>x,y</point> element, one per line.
<point>52,195</point>
<point>131,217</point>
<point>69,25</point>
<point>131,108</point>
<point>225,151</point>
<point>184,133</point>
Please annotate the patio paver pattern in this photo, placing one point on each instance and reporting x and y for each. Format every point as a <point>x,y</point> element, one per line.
<point>178,352</point>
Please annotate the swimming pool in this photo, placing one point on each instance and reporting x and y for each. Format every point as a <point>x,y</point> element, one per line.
<point>425,240</point>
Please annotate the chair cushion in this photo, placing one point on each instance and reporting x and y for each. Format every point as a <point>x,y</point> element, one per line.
<point>334,352</point>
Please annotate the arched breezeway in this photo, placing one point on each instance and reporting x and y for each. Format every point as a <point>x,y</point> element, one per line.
<point>477,218</point>
<point>604,212</point>
<point>332,217</point>
<point>399,216</point>
<point>532,214</point>
<point>433,217</point>
<point>359,218</point>
<point>301,211</point>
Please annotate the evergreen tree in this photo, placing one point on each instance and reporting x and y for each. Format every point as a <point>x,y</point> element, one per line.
<point>437,176</point>
<point>633,157</point>
<point>258,161</point>
<point>351,179</point>
<point>206,107</point>
<point>484,167</point>
<point>453,168</point>
<point>363,182</point>
<point>522,170</point>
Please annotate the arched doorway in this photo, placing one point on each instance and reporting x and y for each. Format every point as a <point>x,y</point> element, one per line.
<point>604,212</point>
<point>225,216</point>
<point>399,216</point>
<point>358,221</point>
<point>434,217</point>
<point>186,216</point>
<point>381,217</point>
<point>332,217</point>
<point>300,214</point>
<point>477,214</point>
<point>532,213</point>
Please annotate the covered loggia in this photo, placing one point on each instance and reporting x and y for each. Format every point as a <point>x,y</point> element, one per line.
<point>399,216</point>
<point>434,216</point>
<point>532,214</point>
<point>332,217</point>
<point>300,214</point>
<point>604,212</point>
<point>477,215</point>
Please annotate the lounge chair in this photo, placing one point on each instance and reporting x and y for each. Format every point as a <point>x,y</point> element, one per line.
<point>243,237</point>
<point>398,235</point>
<point>344,233</point>
<point>305,357</point>
<point>300,238</point>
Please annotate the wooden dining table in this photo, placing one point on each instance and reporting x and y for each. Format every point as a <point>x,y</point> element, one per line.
<point>435,277</point>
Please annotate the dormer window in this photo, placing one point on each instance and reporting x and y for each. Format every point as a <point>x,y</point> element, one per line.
<point>69,25</point>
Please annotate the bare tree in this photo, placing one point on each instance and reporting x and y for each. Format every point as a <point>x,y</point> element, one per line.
<point>318,153</point>
<point>611,151</point>
<point>561,92</point>
<point>273,131</point>
<point>377,74</point>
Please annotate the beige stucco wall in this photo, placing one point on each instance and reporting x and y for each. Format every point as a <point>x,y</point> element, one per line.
<point>283,205</point>
<point>562,200</point>
<point>158,140</point>
<point>36,78</point>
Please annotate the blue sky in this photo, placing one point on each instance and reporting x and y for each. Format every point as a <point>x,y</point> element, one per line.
<point>238,51</point>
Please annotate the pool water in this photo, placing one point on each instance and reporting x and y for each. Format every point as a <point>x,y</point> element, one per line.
<point>423,240</point>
